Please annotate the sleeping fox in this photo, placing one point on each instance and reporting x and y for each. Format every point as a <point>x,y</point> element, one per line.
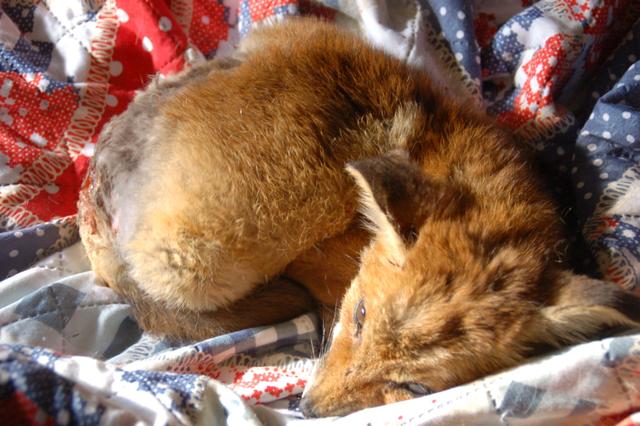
<point>234,195</point>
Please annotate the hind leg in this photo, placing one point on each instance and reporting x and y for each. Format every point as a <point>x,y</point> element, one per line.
<point>279,300</point>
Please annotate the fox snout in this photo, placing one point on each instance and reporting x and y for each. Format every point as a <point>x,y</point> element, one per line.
<point>347,398</point>
<point>308,406</point>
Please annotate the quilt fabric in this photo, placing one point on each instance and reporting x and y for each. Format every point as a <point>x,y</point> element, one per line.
<point>564,75</point>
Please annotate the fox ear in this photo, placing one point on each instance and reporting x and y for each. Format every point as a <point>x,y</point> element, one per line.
<point>397,197</point>
<point>583,308</point>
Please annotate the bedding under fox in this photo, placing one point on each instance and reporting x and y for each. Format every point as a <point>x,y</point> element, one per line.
<point>233,195</point>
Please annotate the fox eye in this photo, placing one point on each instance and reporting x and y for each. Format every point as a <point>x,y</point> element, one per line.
<point>417,389</point>
<point>359,315</point>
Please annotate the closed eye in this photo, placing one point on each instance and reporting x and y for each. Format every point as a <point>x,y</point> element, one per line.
<point>359,314</point>
<point>417,389</point>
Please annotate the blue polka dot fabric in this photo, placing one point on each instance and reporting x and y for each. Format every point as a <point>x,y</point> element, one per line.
<point>454,18</point>
<point>19,249</point>
<point>606,175</point>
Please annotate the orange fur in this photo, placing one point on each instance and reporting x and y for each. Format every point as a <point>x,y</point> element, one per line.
<point>238,177</point>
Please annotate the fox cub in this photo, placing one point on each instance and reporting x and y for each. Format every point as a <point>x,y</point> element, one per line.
<point>233,195</point>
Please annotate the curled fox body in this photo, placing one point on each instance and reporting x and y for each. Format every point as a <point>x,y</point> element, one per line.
<point>233,195</point>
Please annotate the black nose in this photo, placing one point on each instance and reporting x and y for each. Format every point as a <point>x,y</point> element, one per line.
<point>306,406</point>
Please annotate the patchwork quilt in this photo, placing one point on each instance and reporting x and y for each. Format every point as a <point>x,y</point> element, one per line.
<point>562,74</point>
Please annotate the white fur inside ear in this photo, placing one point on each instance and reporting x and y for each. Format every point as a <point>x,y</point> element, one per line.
<point>377,220</point>
<point>337,330</point>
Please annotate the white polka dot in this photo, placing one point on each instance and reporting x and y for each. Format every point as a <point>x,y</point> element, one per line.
<point>88,150</point>
<point>560,151</point>
<point>122,15</point>
<point>636,77</point>
<point>115,68</point>
<point>111,100</point>
<point>443,11</point>
<point>630,139</point>
<point>629,233</point>
<point>14,253</point>
<point>39,232</point>
<point>606,134</point>
<point>165,24</point>
<point>579,184</point>
<point>585,133</point>
<point>18,234</point>
<point>38,139</point>
<point>205,20</point>
<point>605,116</point>
<point>588,195</point>
<point>52,188</point>
<point>44,104</point>
<point>478,59</point>
<point>39,252</point>
<point>11,272</point>
<point>63,417</point>
<point>146,44</point>
<point>458,56</point>
<point>597,162</point>
<point>592,147</point>
<point>626,115</point>
<point>574,170</point>
<point>632,58</point>
<point>506,31</point>
<point>461,15</point>
<point>604,175</point>
<point>460,34</point>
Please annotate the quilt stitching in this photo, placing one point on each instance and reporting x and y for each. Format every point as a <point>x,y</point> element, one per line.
<point>51,311</point>
<point>66,30</point>
<point>444,404</point>
<point>60,311</point>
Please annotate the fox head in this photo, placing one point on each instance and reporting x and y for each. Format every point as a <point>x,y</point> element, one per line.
<point>435,304</point>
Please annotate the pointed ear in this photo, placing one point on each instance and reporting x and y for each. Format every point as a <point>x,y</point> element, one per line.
<point>584,308</point>
<point>397,197</point>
